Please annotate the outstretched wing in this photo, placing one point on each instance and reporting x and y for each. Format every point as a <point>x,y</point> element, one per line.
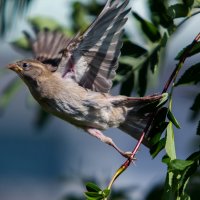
<point>94,55</point>
<point>47,46</point>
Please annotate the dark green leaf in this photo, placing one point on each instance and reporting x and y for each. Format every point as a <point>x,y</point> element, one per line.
<point>42,118</point>
<point>188,3</point>
<point>148,28</point>
<point>172,118</point>
<point>191,75</point>
<point>180,164</point>
<point>195,50</point>
<point>127,85</point>
<point>154,60</point>
<point>131,49</point>
<point>166,159</point>
<point>178,10</point>
<point>91,187</point>
<point>164,39</point>
<point>157,148</point>
<point>198,128</point>
<point>159,13</point>
<point>156,132</point>
<point>142,78</point>
<point>196,105</point>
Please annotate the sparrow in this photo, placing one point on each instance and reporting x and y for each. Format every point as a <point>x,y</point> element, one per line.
<point>71,77</point>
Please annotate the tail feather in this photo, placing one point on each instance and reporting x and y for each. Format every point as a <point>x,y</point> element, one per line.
<point>139,112</point>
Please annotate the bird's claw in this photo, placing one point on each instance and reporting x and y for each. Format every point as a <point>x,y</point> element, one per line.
<point>129,155</point>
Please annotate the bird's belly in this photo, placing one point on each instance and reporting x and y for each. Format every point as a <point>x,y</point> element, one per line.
<point>81,115</point>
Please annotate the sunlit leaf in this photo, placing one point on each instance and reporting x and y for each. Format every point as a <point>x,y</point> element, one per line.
<point>178,164</point>
<point>170,145</point>
<point>148,28</point>
<point>191,75</point>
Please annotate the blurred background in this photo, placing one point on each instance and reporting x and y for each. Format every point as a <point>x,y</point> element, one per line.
<point>45,158</point>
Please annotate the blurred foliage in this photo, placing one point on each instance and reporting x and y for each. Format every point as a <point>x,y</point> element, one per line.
<point>137,68</point>
<point>10,12</point>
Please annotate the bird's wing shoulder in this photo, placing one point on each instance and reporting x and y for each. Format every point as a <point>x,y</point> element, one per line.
<point>94,54</point>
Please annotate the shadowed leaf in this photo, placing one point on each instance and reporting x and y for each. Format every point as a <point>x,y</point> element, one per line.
<point>195,50</point>
<point>142,78</point>
<point>127,85</point>
<point>132,49</point>
<point>148,28</point>
<point>178,10</point>
<point>198,128</point>
<point>191,75</point>
<point>172,118</point>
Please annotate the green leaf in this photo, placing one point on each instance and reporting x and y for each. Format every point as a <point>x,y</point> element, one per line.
<point>180,164</point>
<point>164,40</point>
<point>93,195</point>
<point>172,118</point>
<point>188,3</point>
<point>22,43</point>
<point>45,22</point>
<point>127,85</point>
<point>198,128</point>
<point>148,28</point>
<point>154,60</point>
<point>91,187</point>
<point>42,118</point>
<point>195,50</point>
<point>196,105</point>
<point>157,148</point>
<point>170,145</point>
<point>131,49</point>
<point>191,75</point>
<point>178,10</point>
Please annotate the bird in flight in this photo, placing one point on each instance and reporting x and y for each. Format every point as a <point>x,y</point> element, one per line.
<point>71,77</point>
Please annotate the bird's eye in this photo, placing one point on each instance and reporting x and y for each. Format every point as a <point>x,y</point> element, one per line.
<point>26,66</point>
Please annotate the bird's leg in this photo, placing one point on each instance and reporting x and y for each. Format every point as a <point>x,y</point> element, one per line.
<point>98,134</point>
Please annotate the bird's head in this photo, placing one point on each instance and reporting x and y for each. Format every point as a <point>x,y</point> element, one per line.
<point>31,71</point>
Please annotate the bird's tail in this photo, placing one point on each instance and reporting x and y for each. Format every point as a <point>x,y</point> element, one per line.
<point>139,112</point>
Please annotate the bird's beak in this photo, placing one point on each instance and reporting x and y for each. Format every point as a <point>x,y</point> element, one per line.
<point>15,68</point>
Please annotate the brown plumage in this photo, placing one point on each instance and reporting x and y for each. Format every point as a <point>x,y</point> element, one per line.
<point>71,78</point>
